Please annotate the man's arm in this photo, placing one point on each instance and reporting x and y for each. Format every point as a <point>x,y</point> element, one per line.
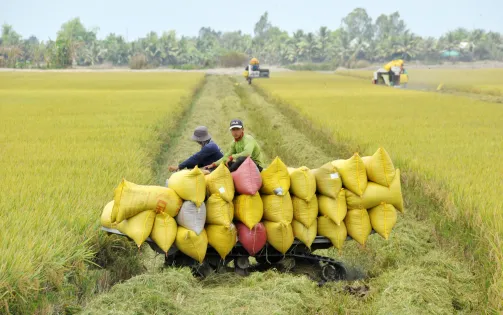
<point>195,159</point>
<point>231,151</point>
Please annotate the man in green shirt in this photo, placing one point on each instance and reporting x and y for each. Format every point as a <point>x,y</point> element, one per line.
<point>242,147</point>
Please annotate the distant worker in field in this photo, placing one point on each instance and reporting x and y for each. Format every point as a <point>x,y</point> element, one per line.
<point>209,153</point>
<point>394,68</point>
<point>243,146</point>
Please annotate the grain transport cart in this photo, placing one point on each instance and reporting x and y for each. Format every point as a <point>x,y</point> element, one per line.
<point>298,259</point>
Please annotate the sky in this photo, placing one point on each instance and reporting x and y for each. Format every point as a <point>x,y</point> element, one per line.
<point>133,18</point>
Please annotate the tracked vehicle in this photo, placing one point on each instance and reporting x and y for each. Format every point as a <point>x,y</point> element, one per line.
<point>298,259</point>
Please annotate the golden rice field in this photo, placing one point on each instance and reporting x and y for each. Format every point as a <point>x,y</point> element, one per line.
<point>478,81</point>
<point>411,273</point>
<point>452,142</point>
<point>65,139</point>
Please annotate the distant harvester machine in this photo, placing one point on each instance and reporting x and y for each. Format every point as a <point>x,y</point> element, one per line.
<point>392,74</point>
<point>253,71</point>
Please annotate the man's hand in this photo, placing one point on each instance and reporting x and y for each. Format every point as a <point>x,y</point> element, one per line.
<point>229,160</point>
<point>210,166</point>
<point>173,168</point>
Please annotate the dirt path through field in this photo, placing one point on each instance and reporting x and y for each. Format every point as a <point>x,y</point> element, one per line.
<point>214,107</point>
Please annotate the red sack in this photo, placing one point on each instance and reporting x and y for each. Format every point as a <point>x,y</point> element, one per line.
<point>247,179</point>
<point>252,240</point>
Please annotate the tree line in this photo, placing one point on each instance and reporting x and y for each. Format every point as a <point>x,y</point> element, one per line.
<point>357,42</point>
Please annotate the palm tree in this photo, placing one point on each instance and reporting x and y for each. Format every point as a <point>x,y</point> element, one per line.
<point>312,47</point>
<point>324,40</point>
<point>168,46</point>
<point>342,46</point>
<point>94,53</point>
<point>427,48</point>
<point>407,45</point>
<point>300,45</point>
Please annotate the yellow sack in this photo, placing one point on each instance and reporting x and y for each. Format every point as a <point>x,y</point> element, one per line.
<point>245,74</point>
<point>249,209</point>
<point>191,244</point>
<point>139,227</point>
<point>380,168</point>
<point>353,173</point>
<point>393,63</point>
<point>275,178</point>
<point>190,185</point>
<point>131,199</point>
<point>106,216</point>
<point>358,225</point>
<point>397,62</point>
<point>328,180</point>
<point>375,194</point>
<point>382,219</point>
<point>278,208</point>
<point>279,235</point>
<point>335,209</point>
<point>220,182</point>
<point>305,234</point>
<point>305,212</point>
<point>219,211</point>
<point>164,231</point>
<point>337,234</point>
<point>302,183</point>
<point>222,238</point>
<point>388,66</point>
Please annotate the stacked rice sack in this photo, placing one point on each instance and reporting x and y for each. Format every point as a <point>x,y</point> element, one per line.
<point>343,197</point>
<point>354,179</point>
<point>373,194</point>
<point>277,202</point>
<point>222,233</point>
<point>305,204</point>
<point>382,196</point>
<point>173,214</point>
<point>248,207</point>
<point>191,236</point>
<point>331,203</point>
<point>140,211</point>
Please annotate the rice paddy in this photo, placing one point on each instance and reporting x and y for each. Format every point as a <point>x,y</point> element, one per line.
<point>452,143</point>
<point>67,139</point>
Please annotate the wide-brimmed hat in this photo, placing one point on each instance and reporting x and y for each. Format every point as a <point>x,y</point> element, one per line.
<point>201,134</point>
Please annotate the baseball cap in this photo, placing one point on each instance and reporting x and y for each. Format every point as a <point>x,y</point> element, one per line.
<point>236,123</point>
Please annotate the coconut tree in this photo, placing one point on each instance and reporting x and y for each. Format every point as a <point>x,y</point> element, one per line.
<point>406,45</point>
<point>168,46</point>
<point>324,41</point>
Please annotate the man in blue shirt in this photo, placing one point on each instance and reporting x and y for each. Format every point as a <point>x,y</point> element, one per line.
<point>209,153</point>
